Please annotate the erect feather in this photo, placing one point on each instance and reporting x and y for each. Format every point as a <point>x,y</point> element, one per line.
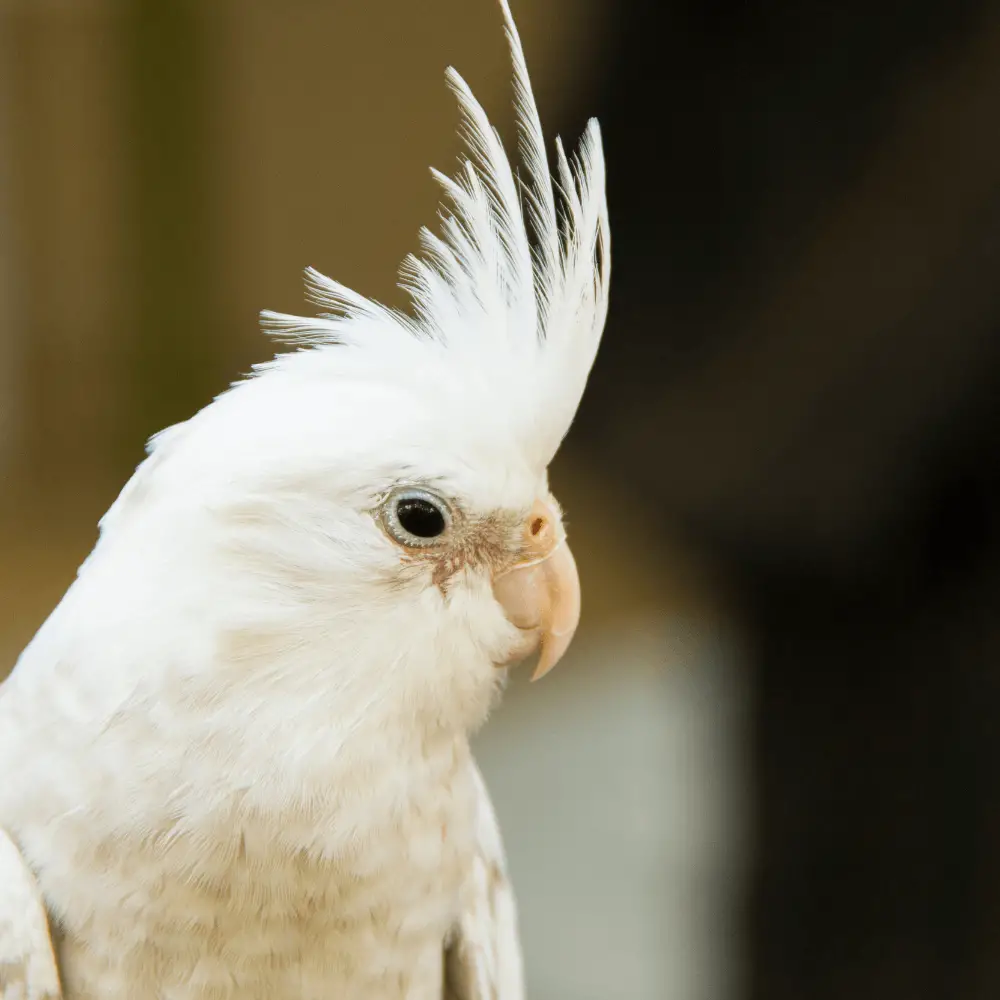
<point>510,299</point>
<point>541,201</point>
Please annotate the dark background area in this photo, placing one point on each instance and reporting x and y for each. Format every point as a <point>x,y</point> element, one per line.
<point>798,379</point>
<point>806,214</point>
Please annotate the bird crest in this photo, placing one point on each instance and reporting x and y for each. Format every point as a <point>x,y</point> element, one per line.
<point>510,300</point>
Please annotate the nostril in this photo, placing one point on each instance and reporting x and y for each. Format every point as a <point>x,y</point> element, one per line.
<point>537,526</point>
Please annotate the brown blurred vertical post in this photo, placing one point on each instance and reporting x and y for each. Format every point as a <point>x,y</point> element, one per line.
<point>170,353</point>
<point>8,300</point>
<point>61,228</point>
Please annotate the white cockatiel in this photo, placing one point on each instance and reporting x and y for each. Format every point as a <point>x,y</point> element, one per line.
<point>234,762</point>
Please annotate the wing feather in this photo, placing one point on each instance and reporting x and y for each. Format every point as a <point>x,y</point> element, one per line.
<point>27,962</point>
<point>483,957</point>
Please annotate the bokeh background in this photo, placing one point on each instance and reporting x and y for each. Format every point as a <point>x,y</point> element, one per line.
<point>769,771</point>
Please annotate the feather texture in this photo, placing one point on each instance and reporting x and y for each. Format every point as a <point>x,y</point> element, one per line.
<point>483,957</point>
<point>511,298</point>
<point>27,964</point>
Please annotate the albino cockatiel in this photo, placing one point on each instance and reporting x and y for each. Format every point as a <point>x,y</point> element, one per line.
<point>234,762</point>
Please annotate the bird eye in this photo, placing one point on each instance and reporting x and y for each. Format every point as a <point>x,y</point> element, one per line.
<point>415,517</point>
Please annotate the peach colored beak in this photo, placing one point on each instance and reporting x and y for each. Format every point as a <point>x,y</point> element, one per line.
<point>541,594</point>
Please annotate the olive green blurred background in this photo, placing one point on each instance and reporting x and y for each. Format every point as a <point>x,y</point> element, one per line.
<point>767,768</point>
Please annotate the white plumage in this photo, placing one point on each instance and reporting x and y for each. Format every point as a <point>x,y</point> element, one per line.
<point>234,762</point>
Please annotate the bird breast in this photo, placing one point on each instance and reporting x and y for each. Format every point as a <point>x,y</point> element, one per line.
<point>301,904</point>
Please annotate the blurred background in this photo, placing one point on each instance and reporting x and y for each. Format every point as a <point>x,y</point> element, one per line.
<point>769,772</point>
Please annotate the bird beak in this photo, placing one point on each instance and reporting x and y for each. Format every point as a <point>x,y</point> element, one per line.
<point>540,594</point>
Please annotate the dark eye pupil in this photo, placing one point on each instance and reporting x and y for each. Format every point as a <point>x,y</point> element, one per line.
<point>420,517</point>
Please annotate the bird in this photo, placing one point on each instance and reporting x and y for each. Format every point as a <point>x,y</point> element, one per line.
<point>235,760</point>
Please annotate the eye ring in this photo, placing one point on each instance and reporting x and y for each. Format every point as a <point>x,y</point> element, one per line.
<point>415,517</point>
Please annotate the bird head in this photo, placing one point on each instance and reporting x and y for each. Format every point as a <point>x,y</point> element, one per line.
<point>382,487</point>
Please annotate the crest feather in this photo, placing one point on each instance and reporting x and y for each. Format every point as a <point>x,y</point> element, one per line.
<point>514,290</point>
